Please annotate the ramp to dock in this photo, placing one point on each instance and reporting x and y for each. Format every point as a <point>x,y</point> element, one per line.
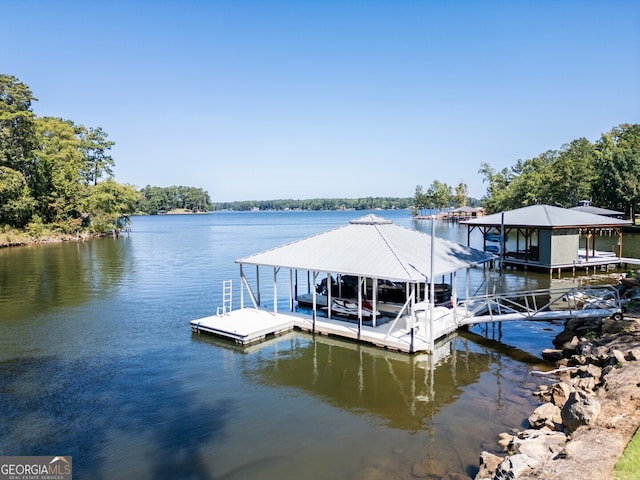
<point>545,304</point>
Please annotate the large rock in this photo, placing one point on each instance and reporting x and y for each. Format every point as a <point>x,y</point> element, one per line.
<point>514,466</point>
<point>560,393</point>
<point>505,440</point>
<point>589,370</point>
<point>585,348</point>
<point>547,415</point>
<point>617,357</point>
<point>611,326</point>
<point>633,355</point>
<point>588,384</point>
<point>488,464</point>
<point>569,348</point>
<point>600,355</point>
<point>541,447</point>
<point>580,409</point>
<point>551,354</point>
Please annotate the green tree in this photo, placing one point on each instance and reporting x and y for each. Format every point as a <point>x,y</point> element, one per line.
<point>17,127</point>
<point>108,202</point>
<point>618,161</point>
<point>439,195</point>
<point>155,199</point>
<point>57,161</point>
<point>16,203</point>
<point>572,173</point>
<point>461,193</point>
<point>530,182</point>
<point>420,200</point>
<point>497,197</point>
<point>95,147</point>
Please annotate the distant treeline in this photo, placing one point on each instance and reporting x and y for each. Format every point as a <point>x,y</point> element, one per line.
<point>366,203</point>
<point>162,199</point>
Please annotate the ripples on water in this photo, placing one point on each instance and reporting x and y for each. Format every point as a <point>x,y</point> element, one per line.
<point>97,361</point>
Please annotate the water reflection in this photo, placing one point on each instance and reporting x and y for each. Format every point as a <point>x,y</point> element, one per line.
<point>398,388</point>
<point>37,278</point>
<point>405,391</point>
<point>446,405</point>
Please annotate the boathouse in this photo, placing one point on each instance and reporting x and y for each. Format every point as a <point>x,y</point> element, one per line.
<point>549,238</point>
<point>392,303</point>
<point>380,259</point>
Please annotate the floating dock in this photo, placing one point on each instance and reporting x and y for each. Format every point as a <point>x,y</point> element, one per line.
<point>248,325</point>
<point>245,326</point>
<point>412,334</point>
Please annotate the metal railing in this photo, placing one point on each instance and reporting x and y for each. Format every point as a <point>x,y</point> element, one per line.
<point>589,301</point>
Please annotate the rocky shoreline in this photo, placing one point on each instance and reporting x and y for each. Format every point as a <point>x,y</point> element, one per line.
<point>590,407</point>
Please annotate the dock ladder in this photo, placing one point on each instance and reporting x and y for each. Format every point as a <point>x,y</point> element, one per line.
<point>227,298</point>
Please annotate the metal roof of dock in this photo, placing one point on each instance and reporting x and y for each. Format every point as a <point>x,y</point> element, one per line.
<point>597,211</point>
<point>374,247</point>
<point>546,216</point>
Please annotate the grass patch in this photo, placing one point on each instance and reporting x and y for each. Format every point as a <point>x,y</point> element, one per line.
<point>13,236</point>
<point>628,467</point>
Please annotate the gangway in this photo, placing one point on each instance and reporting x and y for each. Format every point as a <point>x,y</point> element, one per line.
<point>543,304</point>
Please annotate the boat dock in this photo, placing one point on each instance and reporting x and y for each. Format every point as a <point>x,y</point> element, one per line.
<point>358,262</point>
<point>247,326</point>
<point>412,334</point>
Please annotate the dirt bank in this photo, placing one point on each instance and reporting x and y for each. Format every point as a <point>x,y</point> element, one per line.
<point>25,240</point>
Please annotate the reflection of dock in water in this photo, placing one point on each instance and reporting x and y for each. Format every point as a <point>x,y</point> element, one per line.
<point>447,403</point>
<point>364,379</point>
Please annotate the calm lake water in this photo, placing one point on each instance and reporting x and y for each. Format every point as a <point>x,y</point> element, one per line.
<point>97,361</point>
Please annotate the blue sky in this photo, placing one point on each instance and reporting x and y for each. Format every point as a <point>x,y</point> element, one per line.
<point>255,100</point>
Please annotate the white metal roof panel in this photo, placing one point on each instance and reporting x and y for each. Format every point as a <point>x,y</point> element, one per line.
<point>374,247</point>
<point>597,211</point>
<point>546,216</point>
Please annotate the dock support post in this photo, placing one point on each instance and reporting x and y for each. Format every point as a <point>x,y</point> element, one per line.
<point>314,304</point>
<point>258,283</point>
<point>275,290</point>
<point>291,290</point>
